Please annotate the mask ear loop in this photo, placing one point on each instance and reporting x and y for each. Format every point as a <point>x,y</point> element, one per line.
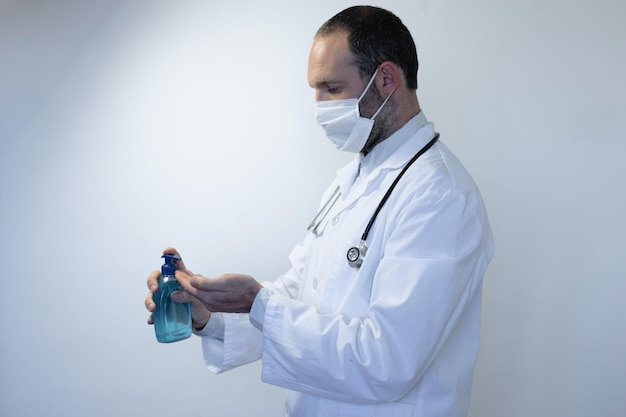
<point>367,87</point>
<point>369,84</point>
<point>383,105</point>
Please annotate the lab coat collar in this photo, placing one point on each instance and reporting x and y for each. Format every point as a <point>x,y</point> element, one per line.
<point>391,153</point>
<point>347,175</point>
<point>384,154</point>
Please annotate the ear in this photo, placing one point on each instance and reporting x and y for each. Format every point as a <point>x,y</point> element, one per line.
<point>389,77</point>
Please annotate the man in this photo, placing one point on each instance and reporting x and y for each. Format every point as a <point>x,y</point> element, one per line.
<point>371,320</point>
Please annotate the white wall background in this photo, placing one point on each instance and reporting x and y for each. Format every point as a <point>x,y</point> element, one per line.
<point>127,126</point>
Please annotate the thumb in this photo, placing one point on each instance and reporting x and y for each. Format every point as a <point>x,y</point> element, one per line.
<point>181,297</point>
<point>184,297</point>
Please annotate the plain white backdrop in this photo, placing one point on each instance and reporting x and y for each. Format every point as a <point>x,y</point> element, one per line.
<point>127,126</point>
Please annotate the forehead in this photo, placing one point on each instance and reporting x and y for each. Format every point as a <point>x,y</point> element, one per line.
<point>330,60</point>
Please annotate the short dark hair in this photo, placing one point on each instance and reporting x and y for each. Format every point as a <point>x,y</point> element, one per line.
<point>375,35</point>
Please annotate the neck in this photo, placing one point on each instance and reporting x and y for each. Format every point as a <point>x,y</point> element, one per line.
<point>406,107</point>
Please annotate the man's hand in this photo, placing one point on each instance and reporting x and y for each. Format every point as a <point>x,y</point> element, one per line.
<point>228,293</point>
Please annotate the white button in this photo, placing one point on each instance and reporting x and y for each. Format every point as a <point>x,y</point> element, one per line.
<point>315,284</point>
<point>335,221</point>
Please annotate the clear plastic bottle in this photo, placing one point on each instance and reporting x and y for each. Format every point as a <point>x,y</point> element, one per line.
<point>172,321</point>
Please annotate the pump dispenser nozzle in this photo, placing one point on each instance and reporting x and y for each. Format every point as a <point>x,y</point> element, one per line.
<point>169,267</point>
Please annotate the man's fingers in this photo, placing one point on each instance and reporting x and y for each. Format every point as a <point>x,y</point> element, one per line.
<point>153,281</point>
<point>205,284</point>
<point>149,303</point>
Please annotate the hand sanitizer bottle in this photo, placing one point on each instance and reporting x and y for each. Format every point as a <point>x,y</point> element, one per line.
<point>172,321</point>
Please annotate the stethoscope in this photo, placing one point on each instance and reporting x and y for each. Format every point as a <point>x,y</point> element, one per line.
<point>356,254</point>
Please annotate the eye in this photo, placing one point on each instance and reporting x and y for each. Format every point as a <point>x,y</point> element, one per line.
<point>329,91</point>
<point>333,90</point>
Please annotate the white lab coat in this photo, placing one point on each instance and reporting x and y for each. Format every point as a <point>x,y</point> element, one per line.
<point>397,337</point>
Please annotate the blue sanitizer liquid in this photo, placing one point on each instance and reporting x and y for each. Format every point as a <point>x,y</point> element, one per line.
<point>172,321</point>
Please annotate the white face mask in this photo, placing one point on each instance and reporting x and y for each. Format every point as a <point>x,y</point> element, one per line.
<point>342,122</point>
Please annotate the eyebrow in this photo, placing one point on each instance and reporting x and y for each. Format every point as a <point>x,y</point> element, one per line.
<point>327,83</point>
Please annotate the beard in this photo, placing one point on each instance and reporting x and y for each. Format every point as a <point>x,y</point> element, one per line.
<point>385,120</point>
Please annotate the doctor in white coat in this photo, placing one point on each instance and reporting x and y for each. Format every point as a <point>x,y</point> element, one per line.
<point>379,314</point>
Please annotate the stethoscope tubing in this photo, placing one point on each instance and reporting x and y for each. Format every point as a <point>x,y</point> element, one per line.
<point>393,185</point>
<point>356,254</point>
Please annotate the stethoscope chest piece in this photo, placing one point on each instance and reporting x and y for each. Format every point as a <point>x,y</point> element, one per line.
<point>356,254</point>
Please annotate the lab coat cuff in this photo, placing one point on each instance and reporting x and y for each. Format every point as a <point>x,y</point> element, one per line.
<point>257,311</point>
<point>214,327</point>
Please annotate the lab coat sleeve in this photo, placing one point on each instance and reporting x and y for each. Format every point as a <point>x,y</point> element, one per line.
<point>241,342</point>
<point>435,253</point>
